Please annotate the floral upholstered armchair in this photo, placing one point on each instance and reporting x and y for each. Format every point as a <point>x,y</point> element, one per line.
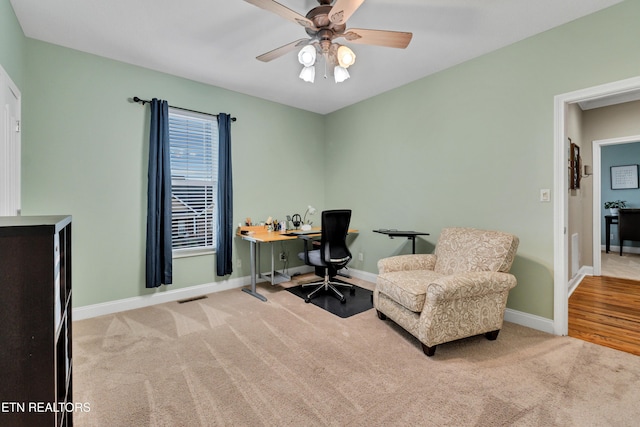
<point>458,291</point>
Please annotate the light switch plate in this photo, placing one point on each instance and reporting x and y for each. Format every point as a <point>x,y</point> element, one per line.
<point>545,195</point>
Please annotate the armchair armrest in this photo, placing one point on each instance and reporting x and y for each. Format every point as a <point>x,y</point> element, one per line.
<point>407,262</point>
<point>469,285</point>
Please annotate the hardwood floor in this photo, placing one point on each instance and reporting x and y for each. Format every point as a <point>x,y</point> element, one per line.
<point>606,311</point>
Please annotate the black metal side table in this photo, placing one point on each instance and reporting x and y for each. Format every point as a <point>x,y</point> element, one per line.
<point>411,235</point>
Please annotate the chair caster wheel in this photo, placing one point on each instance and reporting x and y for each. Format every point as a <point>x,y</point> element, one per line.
<point>352,291</point>
<point>307,300</point>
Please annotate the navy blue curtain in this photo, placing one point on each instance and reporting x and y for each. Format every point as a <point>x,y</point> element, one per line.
<point>159,256</point>
<point>224,230</point>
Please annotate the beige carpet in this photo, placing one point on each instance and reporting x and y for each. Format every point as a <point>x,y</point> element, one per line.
<point>232,360</point>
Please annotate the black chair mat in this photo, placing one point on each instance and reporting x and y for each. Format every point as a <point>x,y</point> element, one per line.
<point>361,301</point>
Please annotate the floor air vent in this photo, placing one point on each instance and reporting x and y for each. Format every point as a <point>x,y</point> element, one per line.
<point>182,301</point>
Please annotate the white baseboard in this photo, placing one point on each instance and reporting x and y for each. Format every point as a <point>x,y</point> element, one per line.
<point>616,249</point>
<point>529,320</point>
<point>363,275</point>
<point>110,307</point>
<point>101,309</point>
<point>95,310</point>
<point>585,270</point>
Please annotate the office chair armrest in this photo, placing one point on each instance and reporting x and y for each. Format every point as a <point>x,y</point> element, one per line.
<point>307,239</point>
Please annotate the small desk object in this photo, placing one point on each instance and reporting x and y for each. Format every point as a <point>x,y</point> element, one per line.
<point>411,235</point>
<point>609,219</point>
<point>256,235</point>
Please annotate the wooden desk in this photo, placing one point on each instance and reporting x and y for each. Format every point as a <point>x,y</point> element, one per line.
<point>256,235</point>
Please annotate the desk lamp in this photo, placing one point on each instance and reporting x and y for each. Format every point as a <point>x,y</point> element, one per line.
<point>307,226</point>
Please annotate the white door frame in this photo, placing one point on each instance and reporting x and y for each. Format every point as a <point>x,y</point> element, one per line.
<point>561,192</point>
<point>10,146</point>
<point>597,194</point>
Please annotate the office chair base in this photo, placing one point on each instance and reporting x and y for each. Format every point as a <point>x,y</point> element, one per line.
<point>327,285</point>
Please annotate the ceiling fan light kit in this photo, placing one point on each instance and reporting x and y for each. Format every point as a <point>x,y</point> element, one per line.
<point>308,74</point>
<point>346,57</point>
<point>335,54</point>
<point>307,56</point>
<point>323,24</point>
<point>340,74</point>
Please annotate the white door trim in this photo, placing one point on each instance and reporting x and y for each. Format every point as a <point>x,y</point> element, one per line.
<point>597,194</point>
<point>561,195</point>
<point>10,145</point>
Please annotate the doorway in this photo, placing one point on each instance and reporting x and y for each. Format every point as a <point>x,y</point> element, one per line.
<point>597,193</point>
<point>624,89</point>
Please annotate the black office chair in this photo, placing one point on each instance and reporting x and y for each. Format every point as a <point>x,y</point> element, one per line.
<point>332,255</point>
<point>628,225</point>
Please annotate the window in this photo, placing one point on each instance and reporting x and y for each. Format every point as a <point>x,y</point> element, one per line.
<point>194,169</point>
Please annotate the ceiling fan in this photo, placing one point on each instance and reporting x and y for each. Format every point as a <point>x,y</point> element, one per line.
<point>324,24</point>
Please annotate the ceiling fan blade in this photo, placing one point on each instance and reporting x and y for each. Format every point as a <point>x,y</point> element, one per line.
<point>278,52</point>
<point>283,11</point>
<point>343,9</point>
<point>397,39</point>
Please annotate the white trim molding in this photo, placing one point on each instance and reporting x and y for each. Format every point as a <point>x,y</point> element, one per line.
<point>110,307</point>
<point>529,320</point>
<point>597,199</point>
<point>101,309</point>
<point>560,221</point>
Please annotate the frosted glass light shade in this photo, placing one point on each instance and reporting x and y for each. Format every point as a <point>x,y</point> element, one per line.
<point>307,55</point>
<point>340,74</point>
<point>308,74</point>
<point>346,57</point>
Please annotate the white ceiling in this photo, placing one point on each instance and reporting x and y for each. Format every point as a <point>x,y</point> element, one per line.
<point>216,41</point>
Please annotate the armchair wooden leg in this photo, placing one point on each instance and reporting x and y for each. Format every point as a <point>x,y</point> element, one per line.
<point>493,335</point>
<point>429,351</point>
<point>381,315</point>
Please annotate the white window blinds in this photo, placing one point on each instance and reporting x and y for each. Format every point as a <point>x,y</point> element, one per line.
<point>194,170</point>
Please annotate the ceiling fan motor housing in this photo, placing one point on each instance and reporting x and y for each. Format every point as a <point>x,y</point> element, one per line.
<point>320,17</point>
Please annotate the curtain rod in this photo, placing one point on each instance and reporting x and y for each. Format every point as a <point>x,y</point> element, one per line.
<point>144,101</point>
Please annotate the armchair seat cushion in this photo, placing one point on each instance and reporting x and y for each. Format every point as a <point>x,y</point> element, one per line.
<point>408,288</point>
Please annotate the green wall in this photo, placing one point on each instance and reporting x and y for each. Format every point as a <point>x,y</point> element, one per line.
<point>85,154</point>
<point>473,145</point>
<point>12,44</point>
<point>469,146</point>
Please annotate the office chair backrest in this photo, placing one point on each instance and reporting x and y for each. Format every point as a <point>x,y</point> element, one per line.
<point>333,241</point>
